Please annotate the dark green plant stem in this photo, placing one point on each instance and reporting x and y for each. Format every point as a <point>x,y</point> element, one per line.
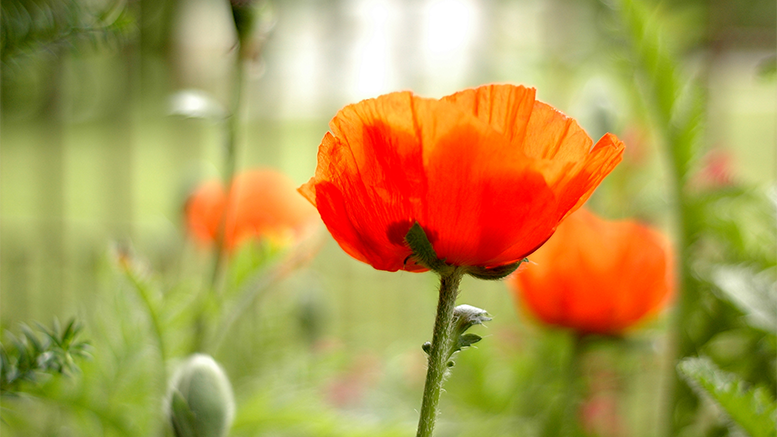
<point>231,126</point>
<point>563,418</point>
<point>677,143</point>
<point>438,354</point>
<point>681,343</point>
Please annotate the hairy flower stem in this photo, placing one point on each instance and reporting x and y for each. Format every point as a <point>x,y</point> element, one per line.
<point>438,354</point>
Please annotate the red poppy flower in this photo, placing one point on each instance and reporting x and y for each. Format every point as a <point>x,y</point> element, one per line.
<point>596,276</point>
<point>263,203</point>
<point>488,173</point>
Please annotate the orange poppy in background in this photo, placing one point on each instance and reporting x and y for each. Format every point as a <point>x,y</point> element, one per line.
<point>262,204</point>
<point>596,276</point>
<point>488,173</point>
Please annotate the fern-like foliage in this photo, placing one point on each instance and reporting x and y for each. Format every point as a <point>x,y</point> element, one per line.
<point>752,409</point>
<point>677,101</point>
<point>29,26</point>
<point>33,357</point>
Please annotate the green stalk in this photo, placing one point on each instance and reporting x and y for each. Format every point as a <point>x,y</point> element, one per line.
<point>678,122</point>
<point>153,316</point>
<point>682,345</point>
<point>438,353</point>
<point>562,420</point>
<point>231,126</point>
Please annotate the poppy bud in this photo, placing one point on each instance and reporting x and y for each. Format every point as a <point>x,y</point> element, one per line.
<point>200,401</point>
<point>464,316</point>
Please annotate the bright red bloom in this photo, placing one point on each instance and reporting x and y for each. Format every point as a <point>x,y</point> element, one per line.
<point>488,173</point>
<point>596,276</point>
<point>262,203</point>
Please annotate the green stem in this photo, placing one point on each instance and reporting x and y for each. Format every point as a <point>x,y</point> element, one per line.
<point>152,315</point>
<point>681,343</point>
<point>438,354</point>
<point>562,420</point>
<point>678,122</point>
<point>231,126</point>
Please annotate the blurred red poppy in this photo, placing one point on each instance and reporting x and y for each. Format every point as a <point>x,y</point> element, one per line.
<point>717,170</point>
<point>488,173</point>
<point>263,204</point>
<point>596,276</point>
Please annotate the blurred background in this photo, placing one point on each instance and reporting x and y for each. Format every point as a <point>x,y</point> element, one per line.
<point>111,116</point>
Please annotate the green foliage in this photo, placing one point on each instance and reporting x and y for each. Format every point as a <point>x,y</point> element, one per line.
<point>751,408</point>
<point>753,292</point>
<point>677,102</point>
<point>302,415</point>
<point>29,26</point>
<point>738,224</point>
<point>31,358</point>
<point>716,225</point>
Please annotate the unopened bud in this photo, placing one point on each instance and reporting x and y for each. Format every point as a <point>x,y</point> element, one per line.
<point>200,401</point>
<point>464,316</point>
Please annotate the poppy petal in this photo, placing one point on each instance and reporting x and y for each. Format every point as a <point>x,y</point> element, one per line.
<point>505,108</point>
<point>373,164</point>
<point>467,162</point>
<point>579,184</point>
<point>357,214</point>
<point>596,276</point>
<point>488,173</point>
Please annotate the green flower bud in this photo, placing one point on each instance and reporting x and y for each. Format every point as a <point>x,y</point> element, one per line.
<point>200,401</point>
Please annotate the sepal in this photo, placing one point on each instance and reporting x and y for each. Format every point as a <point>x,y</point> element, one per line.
<point>495,273</point>
<point>423,252</point>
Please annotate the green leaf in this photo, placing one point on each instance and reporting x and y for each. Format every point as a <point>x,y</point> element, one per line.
<point>752,409</point>
<point>468,340</point>
<point>37,346</point>
<point>32,358</point>
<point>676,100</point>
<point>753,292</point>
